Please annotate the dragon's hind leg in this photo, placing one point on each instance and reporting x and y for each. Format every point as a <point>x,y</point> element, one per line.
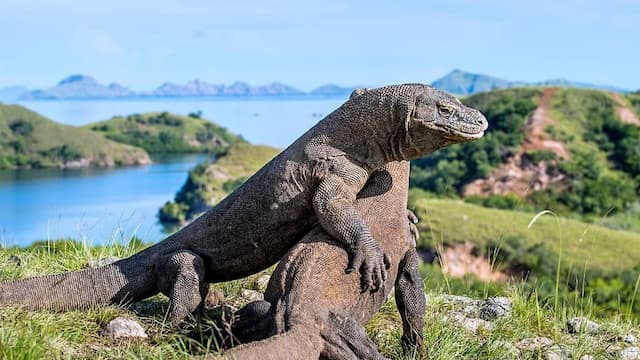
<point>181,278</point>
<point>253,322</point>
<point>345,338</point>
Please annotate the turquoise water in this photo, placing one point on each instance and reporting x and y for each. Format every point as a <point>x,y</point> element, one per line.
<point>103,205</point>
<point>93,205</point>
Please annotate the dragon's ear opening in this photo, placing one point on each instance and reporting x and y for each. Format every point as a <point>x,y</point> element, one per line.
<point>357,92</point>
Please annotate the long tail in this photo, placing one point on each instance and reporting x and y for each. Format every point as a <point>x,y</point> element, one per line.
<point>299,342</point>
<point>118,283</point>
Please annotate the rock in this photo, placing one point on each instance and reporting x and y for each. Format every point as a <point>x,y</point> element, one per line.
<point>15,259</point>
<point>262,282</point>
<point>123,327</point>
<point>494,308</point>
<point>629,339</point>
<point>214,298</point>
<point>471,324</point>
<point>95,263</point>
<point>556,352</point>
<point>534,344</point>
<point>581,324</point>
<point>630,353</point>
<point>251,295</point>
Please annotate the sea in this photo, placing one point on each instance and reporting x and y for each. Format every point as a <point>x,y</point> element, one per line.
<point>104,206</point>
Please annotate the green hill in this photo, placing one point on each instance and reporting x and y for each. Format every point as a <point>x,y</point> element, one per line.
<point>209,183</point>
<point>167,133</point>
<point>29,140</point>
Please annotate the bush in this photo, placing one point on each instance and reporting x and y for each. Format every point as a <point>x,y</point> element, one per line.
<point>172,212</point>
<point>21,127</point>
<point>537,156</point>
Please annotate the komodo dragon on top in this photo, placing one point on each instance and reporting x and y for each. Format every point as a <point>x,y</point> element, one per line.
<point>314,180</point>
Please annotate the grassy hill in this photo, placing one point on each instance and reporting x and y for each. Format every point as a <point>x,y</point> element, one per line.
<point>29,140</point>
<point>209,183</point>
<point>167,133</point>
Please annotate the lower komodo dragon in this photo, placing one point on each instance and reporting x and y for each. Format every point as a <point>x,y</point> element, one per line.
<point>312,309</point>
<point>314,180</point>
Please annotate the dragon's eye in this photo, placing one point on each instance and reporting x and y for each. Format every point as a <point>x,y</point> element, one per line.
<point>445,110</point>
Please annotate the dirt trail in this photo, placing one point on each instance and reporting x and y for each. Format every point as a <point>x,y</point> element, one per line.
<point>536,137</point>
<point>518,175</point>
<point>626,115</point>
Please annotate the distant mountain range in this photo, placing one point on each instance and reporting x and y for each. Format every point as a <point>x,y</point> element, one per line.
<point>86,87</point>
<point>464,83</point>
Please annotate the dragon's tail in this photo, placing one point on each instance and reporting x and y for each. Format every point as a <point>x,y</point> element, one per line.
<point>121,282</point>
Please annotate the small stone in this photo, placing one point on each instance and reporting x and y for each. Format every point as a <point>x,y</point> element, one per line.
<point>15,259</point>
<point>251,295</point>
<point>557,352</point>
<point>123,327</point>
<point>580,324</point>
<point>495,307</point>
<point>470,324</point>
<point>263,282</point>
<point>214,298</point>
<point>630,353</point>
<point>629,339</point>
<point>95,263</point>
<point>534,344</point>
<point>587,357</point>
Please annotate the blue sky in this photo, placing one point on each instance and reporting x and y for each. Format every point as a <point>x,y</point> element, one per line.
<point>141,43</point>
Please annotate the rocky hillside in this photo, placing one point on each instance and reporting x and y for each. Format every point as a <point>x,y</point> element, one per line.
<point>29,140</point>
<point>167,133</point>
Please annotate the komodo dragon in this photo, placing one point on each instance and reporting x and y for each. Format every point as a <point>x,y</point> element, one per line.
<point>315,180</point>
<point>312,309</point>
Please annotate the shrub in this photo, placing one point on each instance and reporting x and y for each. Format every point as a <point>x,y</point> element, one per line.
<point>21,127</point>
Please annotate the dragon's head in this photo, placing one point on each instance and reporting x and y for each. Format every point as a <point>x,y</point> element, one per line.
<point>437,119</point>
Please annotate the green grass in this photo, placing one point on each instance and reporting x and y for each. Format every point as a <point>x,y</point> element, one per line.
<point>28,139</point>
<point>75,334</point>
<point>162,132</point>
<point>209,183</point>
<point>453,221</point>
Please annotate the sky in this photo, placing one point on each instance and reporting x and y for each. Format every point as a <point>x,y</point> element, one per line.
<point>143,43</point>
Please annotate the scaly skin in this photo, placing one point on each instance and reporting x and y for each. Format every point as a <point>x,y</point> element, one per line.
<point>315,180</point>
<point>309,316</point>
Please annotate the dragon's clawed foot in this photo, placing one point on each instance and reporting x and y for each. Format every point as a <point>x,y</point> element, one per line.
<point>370,259</point>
